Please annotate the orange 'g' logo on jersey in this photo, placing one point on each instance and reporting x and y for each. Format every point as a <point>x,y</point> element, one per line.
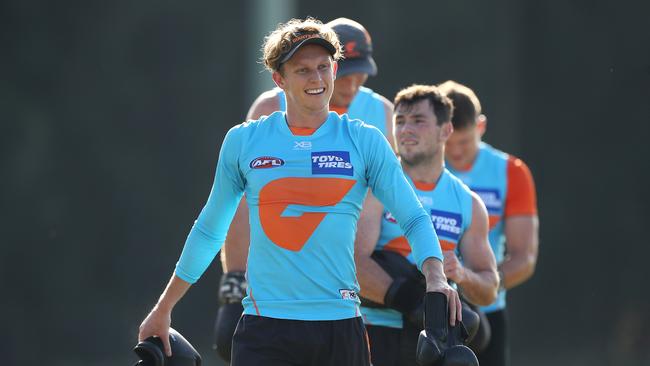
<point>293,232</point>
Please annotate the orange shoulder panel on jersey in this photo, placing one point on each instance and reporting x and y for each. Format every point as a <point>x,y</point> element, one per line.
<point>401,245</point>
<point>521,198</point>
<point>293,232</point>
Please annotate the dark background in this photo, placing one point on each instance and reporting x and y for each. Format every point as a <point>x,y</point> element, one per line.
<point>112,114</point>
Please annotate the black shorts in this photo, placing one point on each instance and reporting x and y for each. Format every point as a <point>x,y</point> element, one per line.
<point>392,346</point>
<point>384,345</point>
<point>266,341</point>
<point>497,352</point>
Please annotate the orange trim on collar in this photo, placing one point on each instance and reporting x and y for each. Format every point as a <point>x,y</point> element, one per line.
<point>424,186</point>
<point>302,131</point>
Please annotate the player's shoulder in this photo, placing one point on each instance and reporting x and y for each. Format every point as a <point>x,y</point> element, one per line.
<point>358,127</point>
<point>251,126</point>
<point>265,104</point>
<point>387,104</point>
<point>493,152</point>
<point>516,163</point>
<point>458,186</point>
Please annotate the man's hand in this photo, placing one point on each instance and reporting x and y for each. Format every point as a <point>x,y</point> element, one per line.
<point>157,324</point>
<point>437,282</point>
<point>454,270</point>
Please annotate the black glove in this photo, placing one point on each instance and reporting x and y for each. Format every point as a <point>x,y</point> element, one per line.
<point>398,268</point>
<point>232,290</point>
<point>471,321</point>
<point>440,344</point>
<point>479,337</point>
<point>406,296</point>
<point>151,352</point>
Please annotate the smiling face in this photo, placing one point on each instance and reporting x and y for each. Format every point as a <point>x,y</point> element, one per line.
<point>418,135</point>
<point>307,79</point>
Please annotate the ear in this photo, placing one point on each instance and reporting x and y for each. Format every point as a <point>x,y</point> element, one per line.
<point>335,67</point>
<point>446,130</point>
<point>481,124</point>
<point>278,79</point>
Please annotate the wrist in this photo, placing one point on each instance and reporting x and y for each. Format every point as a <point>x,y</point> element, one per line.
<point>162,308</point>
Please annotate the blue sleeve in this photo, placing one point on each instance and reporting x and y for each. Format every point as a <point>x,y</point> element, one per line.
<point>210,228</point>
<point>388,183</point>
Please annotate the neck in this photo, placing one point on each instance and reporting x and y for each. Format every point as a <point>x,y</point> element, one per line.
<point>304,118</point>
<point>425,171</point>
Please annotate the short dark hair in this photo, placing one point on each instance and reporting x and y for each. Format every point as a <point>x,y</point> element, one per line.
<point>467,107</point>
<point>442,106</point>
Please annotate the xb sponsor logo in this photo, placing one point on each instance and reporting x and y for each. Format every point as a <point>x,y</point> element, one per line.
<point>302,145</point>
<point>425,200</point>
<point>265,162</point>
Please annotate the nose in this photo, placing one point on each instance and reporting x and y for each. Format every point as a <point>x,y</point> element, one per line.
<point>407,127</point>
<point>316,76</point>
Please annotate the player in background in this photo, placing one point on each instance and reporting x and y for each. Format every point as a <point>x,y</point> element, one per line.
<point>349,96</point>
<point>304,200</point>
<point>422,124</point>
<point>506,186</point>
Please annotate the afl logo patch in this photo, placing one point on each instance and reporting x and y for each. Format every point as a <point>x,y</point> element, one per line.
<point>265,162</point>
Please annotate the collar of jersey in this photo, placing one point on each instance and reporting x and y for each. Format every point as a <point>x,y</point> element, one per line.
<point>441,179</point>
<point>323,129</point>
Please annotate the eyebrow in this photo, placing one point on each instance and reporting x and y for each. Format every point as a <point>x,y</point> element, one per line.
<point>403,115</point>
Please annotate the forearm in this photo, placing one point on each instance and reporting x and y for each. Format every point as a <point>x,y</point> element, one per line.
<point>479,288</point>
<point>522,242</point>
<point>517,269</point>
<point>175,290</point>
<point>373,280</point>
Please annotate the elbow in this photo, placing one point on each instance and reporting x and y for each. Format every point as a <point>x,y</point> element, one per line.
<point>530,265</point>
<point>491,290</point>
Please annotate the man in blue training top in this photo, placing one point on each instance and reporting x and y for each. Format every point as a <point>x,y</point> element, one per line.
<point>305,174</point>
<point>422,126</point>
<point>348,96</point>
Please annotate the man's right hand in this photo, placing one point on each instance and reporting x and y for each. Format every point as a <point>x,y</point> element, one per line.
<point>157,324</point>
<point>437,282</point>
<point>441,344</point>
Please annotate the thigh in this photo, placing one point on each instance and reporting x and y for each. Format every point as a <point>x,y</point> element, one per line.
<point>384,345</point>
<point>497,351</point>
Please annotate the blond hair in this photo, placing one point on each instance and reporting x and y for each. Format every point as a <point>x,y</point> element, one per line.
<point>278,42</point>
